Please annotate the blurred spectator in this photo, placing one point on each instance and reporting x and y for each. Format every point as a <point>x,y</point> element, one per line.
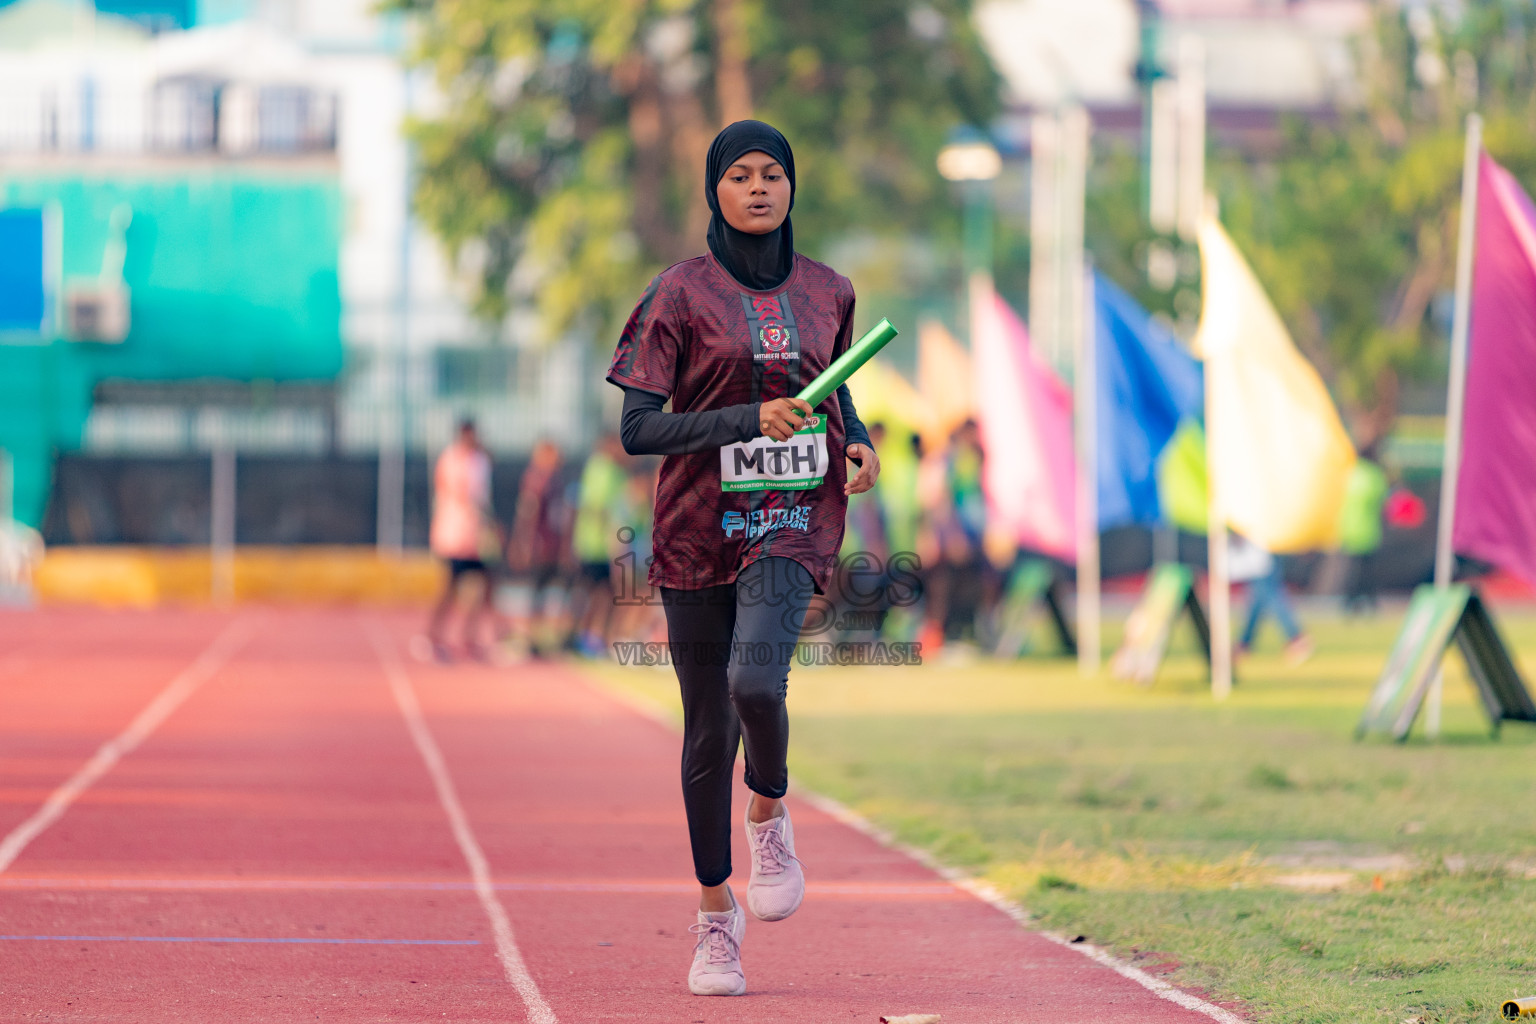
<point>897,488</point>
<point>535,552</point>
<point>1249,563</point>
<point>866,552</point>
<point>906,536</point>
<point>21,552</point>
<point>865,528</point>
<point>1360,530</point>
<point>933,505</point>
<point>463,533</point>
<point>599,506</point>
<point>961,581</point>
<point>637,609</point>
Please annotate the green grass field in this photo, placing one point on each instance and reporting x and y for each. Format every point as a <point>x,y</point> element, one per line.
<point>1253,843</point>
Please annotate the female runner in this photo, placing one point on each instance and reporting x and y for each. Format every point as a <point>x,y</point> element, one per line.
<point>749,513</point>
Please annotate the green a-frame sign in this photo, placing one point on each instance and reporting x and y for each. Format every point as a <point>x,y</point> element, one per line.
<point>1031,586</point>
<point>1169,595</point>
<point>1436,616</point>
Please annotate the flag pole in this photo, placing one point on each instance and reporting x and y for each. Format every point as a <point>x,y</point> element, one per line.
<point>1089,610</point>
<point>1219,575</point>
<point>1455,402</point>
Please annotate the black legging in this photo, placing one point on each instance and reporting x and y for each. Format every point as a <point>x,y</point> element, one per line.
<point>731,646</point>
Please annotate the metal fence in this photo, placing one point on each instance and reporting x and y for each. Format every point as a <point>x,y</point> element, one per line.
<point>264,499</point>
<point>309,461</point>
<point>381,400</point>
<point>180,115</point>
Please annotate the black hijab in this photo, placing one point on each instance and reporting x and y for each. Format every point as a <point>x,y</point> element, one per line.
<point>756,261</point>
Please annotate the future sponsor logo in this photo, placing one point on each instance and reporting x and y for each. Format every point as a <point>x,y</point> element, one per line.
<point>763,521</point>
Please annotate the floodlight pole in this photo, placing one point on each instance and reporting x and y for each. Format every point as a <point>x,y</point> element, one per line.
<point>976,246</point>
<point>1044,236</point>
<point>1085,382</point>
<point>1456,398</point>
<point>1058,183</point>
<point>1071,198</point>
<point>1190,98</point>
<point>1148,75</point>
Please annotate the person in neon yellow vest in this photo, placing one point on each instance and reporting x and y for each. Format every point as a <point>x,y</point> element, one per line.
<point>598,497</point>
<point>1360,529</point>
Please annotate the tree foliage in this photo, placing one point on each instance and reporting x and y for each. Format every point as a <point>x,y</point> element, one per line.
<point>1353,228</point>
<point>1351,223</point>
<point>566,162</point>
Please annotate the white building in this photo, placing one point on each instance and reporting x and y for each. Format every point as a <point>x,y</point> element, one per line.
<point>1262,56</point>
<point>282,83</point>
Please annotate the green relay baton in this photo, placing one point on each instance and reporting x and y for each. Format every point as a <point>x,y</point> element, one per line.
<point>845,365</point>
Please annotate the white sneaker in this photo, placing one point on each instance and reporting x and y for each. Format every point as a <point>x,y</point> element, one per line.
<point>716,969</point>
<point>777,884</point>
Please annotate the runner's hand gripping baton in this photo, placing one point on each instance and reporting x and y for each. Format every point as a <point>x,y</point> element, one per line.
<point>845,365</point>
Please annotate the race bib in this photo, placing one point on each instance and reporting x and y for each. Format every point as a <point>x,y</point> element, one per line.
<point>763,464</point>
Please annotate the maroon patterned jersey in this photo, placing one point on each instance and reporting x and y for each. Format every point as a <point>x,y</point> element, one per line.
<point>702,339</point>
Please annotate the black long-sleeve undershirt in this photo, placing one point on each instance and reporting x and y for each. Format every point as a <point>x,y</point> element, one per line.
<point>645,430</point>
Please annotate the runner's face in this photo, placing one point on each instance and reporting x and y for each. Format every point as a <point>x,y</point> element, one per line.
<point>754,194</point>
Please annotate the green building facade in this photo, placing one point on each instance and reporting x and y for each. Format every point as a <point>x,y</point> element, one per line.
<point>233,276</point>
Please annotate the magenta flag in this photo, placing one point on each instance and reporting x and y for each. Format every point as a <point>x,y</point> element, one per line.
<point>1496,489</point>
<point>1025,415</point>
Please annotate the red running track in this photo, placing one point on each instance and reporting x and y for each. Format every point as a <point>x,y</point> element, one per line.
<point>276,847</point>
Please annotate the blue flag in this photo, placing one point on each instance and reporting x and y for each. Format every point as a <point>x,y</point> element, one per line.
<point>1148,382</point>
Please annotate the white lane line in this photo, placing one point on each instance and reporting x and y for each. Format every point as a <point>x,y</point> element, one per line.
<point>1148,981</point>
<point>479,869</point>
<point>981,890</point>
<point>109,753</point>
<point>987,893</point>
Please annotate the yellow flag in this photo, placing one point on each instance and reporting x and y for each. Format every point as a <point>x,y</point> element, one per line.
<point>944,377</point>
<point>882,395</point>
<point>1278,453</point>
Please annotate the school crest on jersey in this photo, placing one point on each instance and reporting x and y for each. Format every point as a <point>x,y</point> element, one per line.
<point>774,338</point>
<point>772,324</point>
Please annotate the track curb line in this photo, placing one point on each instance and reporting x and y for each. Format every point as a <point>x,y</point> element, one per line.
<point>984,891</point>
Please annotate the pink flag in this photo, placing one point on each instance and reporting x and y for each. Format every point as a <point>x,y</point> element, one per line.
<point>1496,489</point>
<point>1025,415</point>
